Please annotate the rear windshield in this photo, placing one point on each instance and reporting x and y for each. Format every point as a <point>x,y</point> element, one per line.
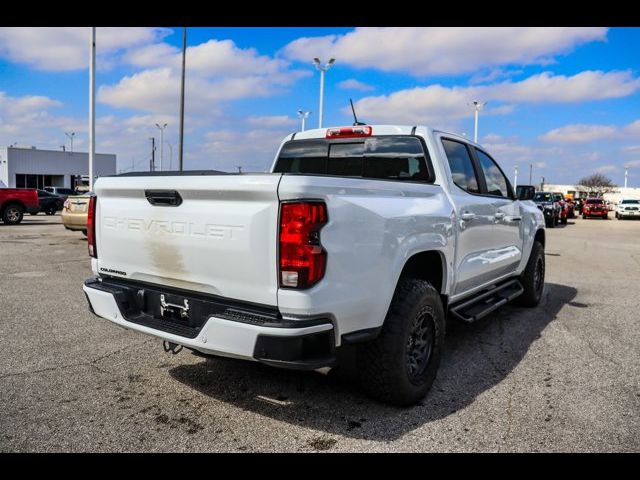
<point>542,197</point>
<point>595,201</point>
<point>386,157</point>
<point>635,202</point>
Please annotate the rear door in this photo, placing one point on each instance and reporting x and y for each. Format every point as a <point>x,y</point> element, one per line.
<point>475,214</point>
<point>214,234</point>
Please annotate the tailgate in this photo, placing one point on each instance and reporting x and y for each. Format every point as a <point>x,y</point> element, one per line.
<point>221,239</point>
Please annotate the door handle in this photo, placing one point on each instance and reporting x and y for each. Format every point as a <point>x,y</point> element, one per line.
<point>499,215</point>
<point>466,216</point>
<point>513,219</point>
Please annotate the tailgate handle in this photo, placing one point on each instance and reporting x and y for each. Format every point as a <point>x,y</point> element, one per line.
<point>163,198</point>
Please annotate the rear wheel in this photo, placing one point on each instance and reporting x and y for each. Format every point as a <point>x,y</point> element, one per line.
<point>400,365</point>
<point>532,279</point>
<point>13,214</point>
<point>50,211</point>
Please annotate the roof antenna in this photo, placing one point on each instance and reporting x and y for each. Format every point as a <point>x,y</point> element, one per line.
<point>356,122</point>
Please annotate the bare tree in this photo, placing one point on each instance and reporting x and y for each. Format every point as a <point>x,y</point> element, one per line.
<point>597,184</point>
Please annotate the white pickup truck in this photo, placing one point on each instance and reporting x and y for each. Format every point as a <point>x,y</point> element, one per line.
<point>363,237</point>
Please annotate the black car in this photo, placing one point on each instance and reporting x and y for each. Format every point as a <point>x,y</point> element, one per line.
<point>551,209</point>
<point>48,203</point>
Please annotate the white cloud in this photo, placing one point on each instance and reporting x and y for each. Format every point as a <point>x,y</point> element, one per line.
<point>271,121</point>
<point>633,128</point>
<point>579,133</point>
<point>218,71</point>
<point>494,74</point>
<point>67,48</point>
<point>436,104</point>
<point>444,50</point>
<point>353,84</point>
<point>253,149</point>
<point>606,169</point>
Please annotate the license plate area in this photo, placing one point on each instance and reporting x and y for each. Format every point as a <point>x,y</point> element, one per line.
<point>141,303</point>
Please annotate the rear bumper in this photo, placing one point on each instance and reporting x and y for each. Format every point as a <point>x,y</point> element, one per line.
<point>231,332</point>
<point>74,221</point>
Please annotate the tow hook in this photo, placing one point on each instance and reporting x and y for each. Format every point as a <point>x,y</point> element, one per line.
<point>171,347</point>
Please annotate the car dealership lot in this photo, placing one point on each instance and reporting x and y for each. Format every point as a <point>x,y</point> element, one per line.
<point>561,377</point>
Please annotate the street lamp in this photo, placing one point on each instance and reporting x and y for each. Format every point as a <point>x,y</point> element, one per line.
<point>515,178</point>
<point>161,143</point>
<point>70,135</point>
<point>626,175</point>
<point>303,116</point>
<point>477,106</point>
<point>322,70</point>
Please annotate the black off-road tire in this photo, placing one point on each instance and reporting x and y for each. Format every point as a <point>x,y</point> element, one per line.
<point>532,279</point>
<point>13,214</point>
<point>399,366</point>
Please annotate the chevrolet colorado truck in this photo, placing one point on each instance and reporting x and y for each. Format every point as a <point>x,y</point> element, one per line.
<point>363,238</point>
<point>14,202</point>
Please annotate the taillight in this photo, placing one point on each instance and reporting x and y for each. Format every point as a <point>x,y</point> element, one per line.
<point>302,258</point>
<point>349,132</point>
<point>91,228</point>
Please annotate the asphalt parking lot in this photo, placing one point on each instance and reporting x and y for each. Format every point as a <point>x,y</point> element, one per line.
<point>562,377</point>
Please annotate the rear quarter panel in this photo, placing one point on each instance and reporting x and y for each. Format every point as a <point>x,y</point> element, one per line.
<point>373,227</point>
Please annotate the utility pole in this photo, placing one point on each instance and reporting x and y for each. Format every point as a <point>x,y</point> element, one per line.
<point>530,172</point>
<point>161,144</point>
<point>184,55</point>
<point>542,184</point>
<point>303,117</point>
<point>70,135</point>
<point>92,107</point>
<point>515,178</point>
<point>476,107</point>
<point>152,164</point>
<point>322,70</point>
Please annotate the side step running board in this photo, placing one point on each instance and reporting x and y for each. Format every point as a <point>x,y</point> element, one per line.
<point>486,302</point>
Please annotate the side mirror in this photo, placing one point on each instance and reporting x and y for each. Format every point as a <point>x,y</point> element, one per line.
<point>525,192</point>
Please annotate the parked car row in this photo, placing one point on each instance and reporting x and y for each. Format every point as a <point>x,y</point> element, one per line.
<point>15,202</point>
<point>555,208</point>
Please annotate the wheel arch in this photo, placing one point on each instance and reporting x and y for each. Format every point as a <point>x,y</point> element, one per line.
<point>9,203</point>
<point>429,265</point>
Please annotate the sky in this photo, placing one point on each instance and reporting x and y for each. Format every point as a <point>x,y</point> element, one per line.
<point>565,101</point>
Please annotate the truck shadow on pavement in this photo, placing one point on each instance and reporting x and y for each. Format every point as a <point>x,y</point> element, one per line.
<point>476,358</point>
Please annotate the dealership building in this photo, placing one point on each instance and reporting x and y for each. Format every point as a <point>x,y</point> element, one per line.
<point>29,167</point>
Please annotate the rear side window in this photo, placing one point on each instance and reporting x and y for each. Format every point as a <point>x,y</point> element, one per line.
<point>384,158</point>
<point>461,165</point>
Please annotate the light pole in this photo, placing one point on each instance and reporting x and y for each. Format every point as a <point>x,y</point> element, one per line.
<point>477,106</point>
<point>170,154</point>
<point>515,178</point>
<point>92,106</point>
<point>322,70</point>
<point>70,135</point>
<point>530,172</point>
<point>626,174</point>
<point>303,116</point>
<point>184,59</point>
<point>161,144</point>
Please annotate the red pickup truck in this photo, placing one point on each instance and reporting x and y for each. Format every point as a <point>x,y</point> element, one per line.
<point>15,201</point>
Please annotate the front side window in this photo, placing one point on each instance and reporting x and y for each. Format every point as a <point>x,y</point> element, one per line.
<point>461,165</point>
<point>496,181</point>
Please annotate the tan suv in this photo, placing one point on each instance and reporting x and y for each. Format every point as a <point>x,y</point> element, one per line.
<point>74,212</point>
